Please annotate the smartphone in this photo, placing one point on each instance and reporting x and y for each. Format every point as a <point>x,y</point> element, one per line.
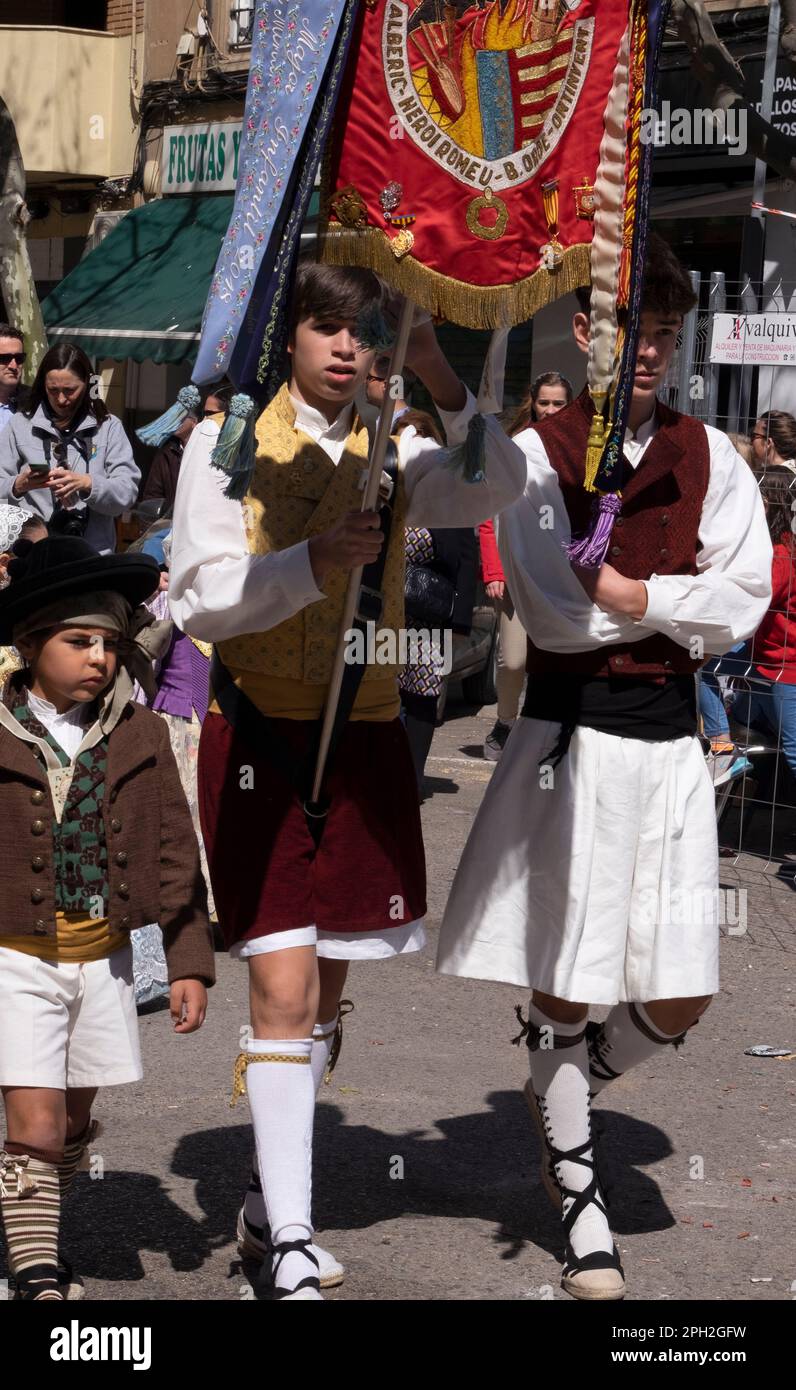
<point>41,466</point>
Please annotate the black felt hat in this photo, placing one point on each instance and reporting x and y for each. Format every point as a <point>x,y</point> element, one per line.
<point>44,571</point>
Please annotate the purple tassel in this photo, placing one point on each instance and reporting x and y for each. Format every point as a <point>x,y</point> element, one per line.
<point>590,549</point>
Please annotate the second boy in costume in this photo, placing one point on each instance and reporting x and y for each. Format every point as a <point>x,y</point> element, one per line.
<point>591,872</point>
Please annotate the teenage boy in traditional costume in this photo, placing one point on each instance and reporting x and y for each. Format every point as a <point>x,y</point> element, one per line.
<point>591,872</point>
<point>95,840</point>
<point>265,581</point>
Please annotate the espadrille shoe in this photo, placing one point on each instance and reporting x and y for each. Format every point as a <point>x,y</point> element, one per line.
<point>305,1289</point>
<point>253,1245</point>
<point>597,1276</point>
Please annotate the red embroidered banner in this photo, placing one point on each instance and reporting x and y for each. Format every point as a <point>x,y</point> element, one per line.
<point>463,160</point>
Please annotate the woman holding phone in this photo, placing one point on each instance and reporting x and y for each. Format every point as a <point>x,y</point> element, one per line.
<point>64,457</point>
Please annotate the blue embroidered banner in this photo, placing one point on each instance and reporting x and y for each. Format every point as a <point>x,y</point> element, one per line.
<point>258,358</point>
<point>291,49</point>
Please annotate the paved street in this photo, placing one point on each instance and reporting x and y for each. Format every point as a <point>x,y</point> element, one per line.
<point>697,1148</point>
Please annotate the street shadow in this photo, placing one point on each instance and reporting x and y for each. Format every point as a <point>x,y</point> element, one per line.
<point>437,786</point>
<point>482,1166</point>
<point>106,1224</point>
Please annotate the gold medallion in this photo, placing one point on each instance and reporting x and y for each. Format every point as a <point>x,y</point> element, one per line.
<point>473,216</point>
<point>349,207</point>
<point>402,243</point>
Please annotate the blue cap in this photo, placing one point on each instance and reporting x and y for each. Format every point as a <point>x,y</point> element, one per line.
<point>153,545</point>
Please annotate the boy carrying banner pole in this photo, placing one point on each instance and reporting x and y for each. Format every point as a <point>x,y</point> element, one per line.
<point>301,889</point>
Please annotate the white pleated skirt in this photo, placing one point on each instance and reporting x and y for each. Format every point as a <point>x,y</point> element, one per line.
<point>600,888</point>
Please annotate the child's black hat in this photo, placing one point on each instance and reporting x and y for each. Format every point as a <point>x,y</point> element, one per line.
<point>47,570</point>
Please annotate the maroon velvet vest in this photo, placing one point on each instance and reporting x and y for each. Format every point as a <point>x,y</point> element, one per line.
<point>656,533</point>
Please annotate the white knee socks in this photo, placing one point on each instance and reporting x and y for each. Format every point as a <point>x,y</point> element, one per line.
<point>322,1039</point>
<point>282,1103</point>
<point>627,1037</point>
<point>560,1078</point>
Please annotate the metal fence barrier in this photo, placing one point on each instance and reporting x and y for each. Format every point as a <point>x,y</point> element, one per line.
<point>756,807</point>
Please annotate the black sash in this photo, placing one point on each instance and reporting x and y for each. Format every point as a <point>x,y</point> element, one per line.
<point>621,705</point>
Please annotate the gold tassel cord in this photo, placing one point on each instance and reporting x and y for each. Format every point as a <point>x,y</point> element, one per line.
<point>16,1165</point>
<point>470,306</point>
<point>638,67</point>
<point>243,1060</point>
<point>594,451</point>
<point>344,1008</point>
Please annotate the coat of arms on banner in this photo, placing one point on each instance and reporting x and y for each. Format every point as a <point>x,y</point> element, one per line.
<point>486,117</point>
<point>497,88</point>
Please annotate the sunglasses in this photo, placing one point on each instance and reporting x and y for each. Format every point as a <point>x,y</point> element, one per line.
<point>7,357</point>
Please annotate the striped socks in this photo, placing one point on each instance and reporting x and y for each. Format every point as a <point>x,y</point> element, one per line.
<point>30,1199</point>
<point>74,1149</point>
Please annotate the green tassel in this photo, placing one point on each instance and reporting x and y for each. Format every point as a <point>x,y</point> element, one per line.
<point>372,332</point>
<point>469,458</point>
<point>234,451</point>
<point>188,402</point>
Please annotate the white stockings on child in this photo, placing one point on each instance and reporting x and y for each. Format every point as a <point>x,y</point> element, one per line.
<point>322,1039</point>
<point>282,1102</point>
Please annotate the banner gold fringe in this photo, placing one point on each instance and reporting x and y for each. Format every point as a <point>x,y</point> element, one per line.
<point>470,306</point>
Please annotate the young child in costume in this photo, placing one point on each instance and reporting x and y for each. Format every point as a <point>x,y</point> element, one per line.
<point>265,581</point>
<point>95,839</point>
<point>591,872</point>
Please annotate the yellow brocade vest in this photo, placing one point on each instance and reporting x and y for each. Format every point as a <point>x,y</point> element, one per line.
<point>298,492</point>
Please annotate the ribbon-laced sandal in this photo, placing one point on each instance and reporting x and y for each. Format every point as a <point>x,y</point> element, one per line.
<point>599,1275</point>
<point>308,1287</point>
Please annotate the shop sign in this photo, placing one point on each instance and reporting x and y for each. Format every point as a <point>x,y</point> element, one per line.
<point>754,339</point>
<point>200,158</point>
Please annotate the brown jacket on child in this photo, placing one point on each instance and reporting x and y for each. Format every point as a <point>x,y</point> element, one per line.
<point>153,857</point>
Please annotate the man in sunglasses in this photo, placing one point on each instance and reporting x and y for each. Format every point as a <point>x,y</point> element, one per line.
<point>376,384</point>
<point>12,360</point>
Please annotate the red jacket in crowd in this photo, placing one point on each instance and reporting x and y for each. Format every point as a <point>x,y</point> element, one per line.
<point>774,650</point>
<point>491,568</point>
